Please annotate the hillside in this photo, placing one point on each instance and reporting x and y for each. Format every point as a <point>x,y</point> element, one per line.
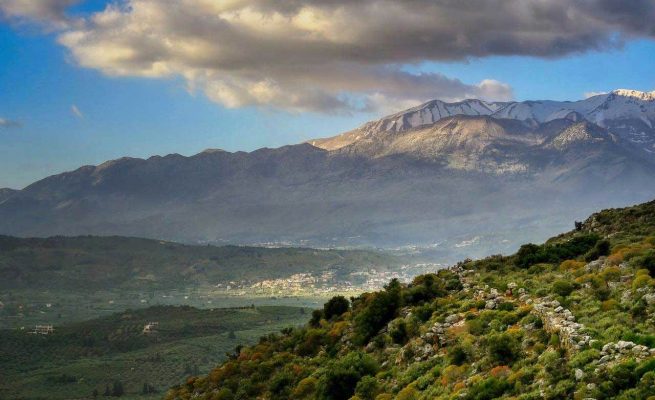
<point>571,318</point>
<point>93,355</point>
<point>454,179</point>
<point>88,262</point>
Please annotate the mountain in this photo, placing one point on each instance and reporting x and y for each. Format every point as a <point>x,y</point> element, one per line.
<point>5,193</point>
<point>568,319</point>
<point>452,179</point>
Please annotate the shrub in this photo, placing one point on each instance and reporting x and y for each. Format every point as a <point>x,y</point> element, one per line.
<point>641,281</point>
<point>341,376</point>
<point>488,389</point>
<point>611,274</point>
<point>367,388</point>
<point>530,254</point>
<point>408,393</point>
<point>335,307</point>
<point>457,355</point>
<point>608,305</point>
<point>563,288</point>
<point>424,312</point>
<point>280,385</point>
<point>648,262</point>
<point>601,248</point>
<point>622,376</point>
<point>571,265</point>
<point>502,348</point>
<point>398,332</point>
<point>305,388</point>
<point>645,367</point>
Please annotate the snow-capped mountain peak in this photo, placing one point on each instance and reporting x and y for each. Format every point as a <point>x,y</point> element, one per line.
<point>628,113</point>
<point>639,95</point>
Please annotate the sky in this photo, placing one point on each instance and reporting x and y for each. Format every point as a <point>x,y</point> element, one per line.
<point>82,82</point>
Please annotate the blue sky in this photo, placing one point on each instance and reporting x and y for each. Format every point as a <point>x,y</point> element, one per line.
<point>132,115</point>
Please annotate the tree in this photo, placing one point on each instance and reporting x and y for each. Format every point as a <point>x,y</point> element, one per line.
<point>315,321</point>
<point>381,307</point>
<point>335,307</point>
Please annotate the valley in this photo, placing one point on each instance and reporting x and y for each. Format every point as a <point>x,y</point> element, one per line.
<point>79,359</point>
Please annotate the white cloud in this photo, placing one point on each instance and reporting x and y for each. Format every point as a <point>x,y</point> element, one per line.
<point>8,123</point>
<point>76,112</point>
<point>333,55</point>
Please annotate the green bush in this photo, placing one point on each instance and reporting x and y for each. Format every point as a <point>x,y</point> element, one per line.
<point>342,376</point>
<point>502,348</point>
<point>601,248</point>
<point>563,288</point>
<point>457,355</point>
<point>648,262</point>
<point>398,332</point>
<point>488,389</point>
<point>367,388</point>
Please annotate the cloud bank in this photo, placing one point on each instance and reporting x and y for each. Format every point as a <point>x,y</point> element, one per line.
<point>334,55</point>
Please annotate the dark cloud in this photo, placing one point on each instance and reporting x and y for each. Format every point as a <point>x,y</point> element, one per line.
<point>339,55</point>
<point>50,13</point>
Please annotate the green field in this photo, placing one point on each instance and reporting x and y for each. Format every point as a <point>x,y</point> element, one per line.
<point>80,357</point>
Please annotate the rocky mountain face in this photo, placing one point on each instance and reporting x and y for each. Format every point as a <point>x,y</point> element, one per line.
<point>460,178</point>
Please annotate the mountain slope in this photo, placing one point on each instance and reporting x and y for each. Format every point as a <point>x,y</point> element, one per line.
<point>5,193</point>
<point>573,318</point>
<point>452,178</point>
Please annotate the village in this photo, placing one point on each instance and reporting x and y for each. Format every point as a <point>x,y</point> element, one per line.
<point>324,283</point>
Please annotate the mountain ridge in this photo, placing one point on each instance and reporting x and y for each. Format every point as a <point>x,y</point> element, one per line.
<point>460,178</point>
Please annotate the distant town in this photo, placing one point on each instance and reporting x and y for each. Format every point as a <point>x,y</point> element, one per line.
<point>325,282</point>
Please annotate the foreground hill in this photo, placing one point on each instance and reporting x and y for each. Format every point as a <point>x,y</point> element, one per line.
<point>571,318</point>
<point>459,179</point>
<point>113,354</point>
